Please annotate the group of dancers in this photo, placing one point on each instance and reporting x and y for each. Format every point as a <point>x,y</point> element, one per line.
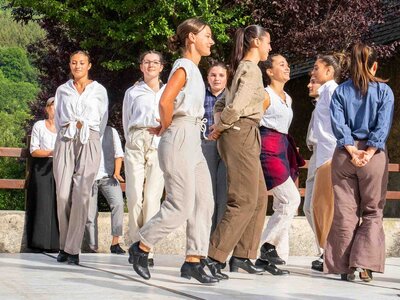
<point>217,149</point>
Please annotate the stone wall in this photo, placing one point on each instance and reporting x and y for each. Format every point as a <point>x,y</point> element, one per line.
<point>12,237</point>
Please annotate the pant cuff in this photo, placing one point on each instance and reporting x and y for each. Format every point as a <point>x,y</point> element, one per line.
<point>217,254</point>
<point>144,241</point>
<point>251,254</point>
<point>197,253</point>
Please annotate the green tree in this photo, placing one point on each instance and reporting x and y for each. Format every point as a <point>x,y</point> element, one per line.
<point>16,96</point>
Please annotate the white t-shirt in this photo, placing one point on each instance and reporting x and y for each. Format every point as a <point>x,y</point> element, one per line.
<point>41,137</point>
<point>279,114</point>
<point>322,129</point>
<point>140,108</point>
<point>90,108</point>
<point>190,100</point>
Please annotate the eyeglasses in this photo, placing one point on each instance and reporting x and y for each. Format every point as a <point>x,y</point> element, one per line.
<point>154,62</point>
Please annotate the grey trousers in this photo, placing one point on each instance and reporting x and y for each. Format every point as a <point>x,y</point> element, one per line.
<point>188,188</point>
<point>356,238</point>
<point>111,190</point>
<point>218,179</point>
<point>75,168</point>
<point>308,206</point>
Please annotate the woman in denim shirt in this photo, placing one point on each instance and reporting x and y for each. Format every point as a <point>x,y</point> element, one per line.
<point>361,115</point>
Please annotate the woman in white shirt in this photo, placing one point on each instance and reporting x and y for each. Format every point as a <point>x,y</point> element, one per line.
<point>41,206</point>
<point>144,178</point>
<point>327,71</point>
<point>280,162</point>
<point>81,107</point>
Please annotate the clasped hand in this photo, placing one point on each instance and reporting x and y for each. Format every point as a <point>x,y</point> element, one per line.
<point>360,158</point>
<point>214,133</point>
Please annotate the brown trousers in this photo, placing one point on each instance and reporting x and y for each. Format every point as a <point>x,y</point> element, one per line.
<point>242,224</point>
<point>322,201</point>
<point>359,194</point>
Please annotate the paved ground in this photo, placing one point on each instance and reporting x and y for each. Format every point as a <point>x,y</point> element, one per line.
<point>104,276</point>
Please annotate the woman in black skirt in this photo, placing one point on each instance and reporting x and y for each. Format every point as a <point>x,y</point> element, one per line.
<point>41,208</point>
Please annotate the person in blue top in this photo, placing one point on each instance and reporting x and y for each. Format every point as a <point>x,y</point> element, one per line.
<point>361,114</point>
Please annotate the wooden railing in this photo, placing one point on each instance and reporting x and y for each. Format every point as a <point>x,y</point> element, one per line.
<point>24,154</point>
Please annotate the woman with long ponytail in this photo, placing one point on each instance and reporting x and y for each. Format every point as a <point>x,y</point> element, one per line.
<point>237,118</point>
<point>361,113</point>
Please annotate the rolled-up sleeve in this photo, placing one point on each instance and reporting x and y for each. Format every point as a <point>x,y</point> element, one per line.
<point>340,129</point>
<point>379,134</point>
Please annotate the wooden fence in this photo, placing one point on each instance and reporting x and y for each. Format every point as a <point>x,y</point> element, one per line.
<point>22,153</point>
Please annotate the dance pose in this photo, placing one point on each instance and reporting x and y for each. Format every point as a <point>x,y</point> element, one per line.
<point>81,112</point>
<point>237,117</point>
<point>144,178</point>
<point>188,186</point>
<point>280,162</point>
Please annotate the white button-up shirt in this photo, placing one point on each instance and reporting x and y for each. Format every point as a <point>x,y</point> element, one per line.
<point>279,114</point>
<point>89,108</point>
<point>41,137</point>
<point>140,108</point>
<point>322,129</point>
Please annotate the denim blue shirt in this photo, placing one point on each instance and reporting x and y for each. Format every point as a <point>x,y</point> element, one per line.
<point>209,103</point>
<point>356,117</point>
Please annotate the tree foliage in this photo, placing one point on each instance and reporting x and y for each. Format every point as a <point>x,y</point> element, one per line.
<point>13,34</point>
<point>18,90</point>
<point>302,29</point>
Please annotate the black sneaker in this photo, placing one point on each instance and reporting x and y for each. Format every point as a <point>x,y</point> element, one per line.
<point>116,249</point>
<point>317,265</point>
<point>268,252</point>
<point>62,256</point>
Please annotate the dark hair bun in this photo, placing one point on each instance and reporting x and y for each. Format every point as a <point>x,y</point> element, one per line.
<point>174,43</point>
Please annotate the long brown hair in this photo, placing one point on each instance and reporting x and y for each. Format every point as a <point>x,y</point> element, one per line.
<point>338,61</point>
<point>363,58</point>
<point>242,41</point>
<point>178,40</point>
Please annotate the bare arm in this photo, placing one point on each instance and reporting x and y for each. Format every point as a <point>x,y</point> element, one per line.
<point>174,86</point>
<point>117,169</point>
<point>42,153</point>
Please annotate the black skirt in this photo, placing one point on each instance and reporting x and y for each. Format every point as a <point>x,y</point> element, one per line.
<point>41,206</point>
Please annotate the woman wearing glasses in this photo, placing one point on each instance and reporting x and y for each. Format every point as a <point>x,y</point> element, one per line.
<point>144,178</point>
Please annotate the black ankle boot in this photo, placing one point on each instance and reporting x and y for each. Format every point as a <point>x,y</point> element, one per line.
<point>214,267</point>
<point>271,268</point>
<point>268,252</point>
<point>139,259</point>
<point>244,263</point>
<point>195,270</point>
<point>73,259</point>
<point>62,256</point>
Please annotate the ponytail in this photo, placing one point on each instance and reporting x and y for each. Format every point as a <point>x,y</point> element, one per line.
<point>241,44</point>
<point>363,58</point>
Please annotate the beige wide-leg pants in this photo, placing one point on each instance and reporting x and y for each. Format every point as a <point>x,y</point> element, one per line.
<point>189,197</point>
<point>144,180</point>
<point>75,168</point>
<point>323,203</point>
<point>356,238</point>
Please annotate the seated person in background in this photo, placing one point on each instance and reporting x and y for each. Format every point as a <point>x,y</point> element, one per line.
<point>107,181</point>
<point>41,205</point>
